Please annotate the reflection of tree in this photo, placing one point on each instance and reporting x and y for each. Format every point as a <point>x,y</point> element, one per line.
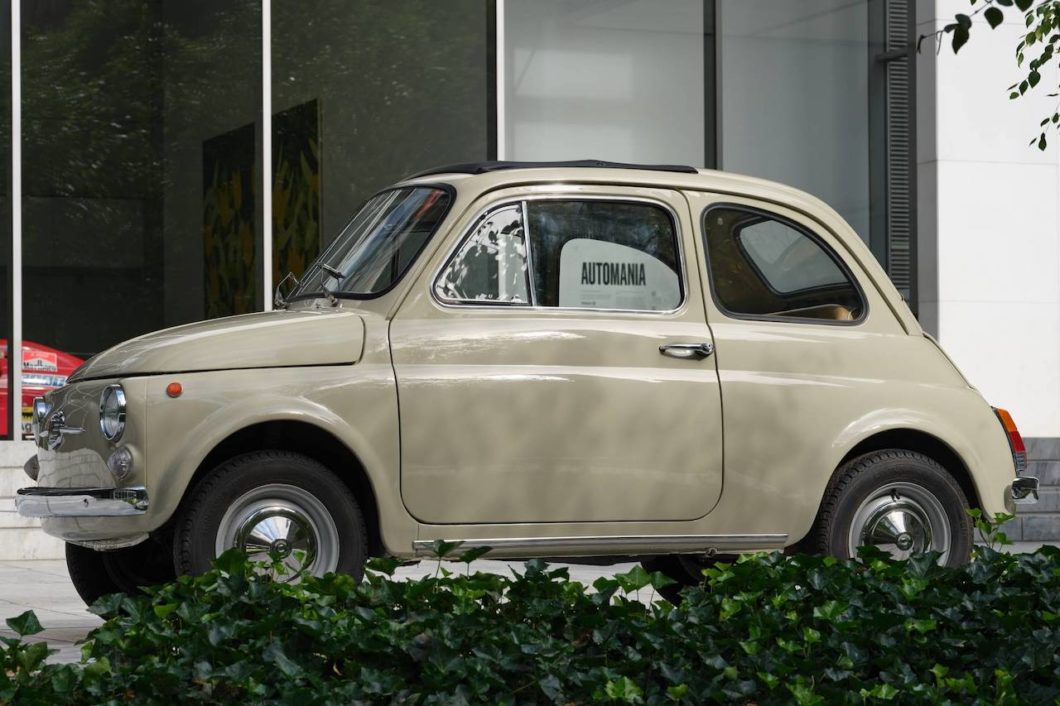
<point>119,97</point>
<point>99,80</point>
<point>406,84</point>
<point>403,85</point>
<point>91,101</point>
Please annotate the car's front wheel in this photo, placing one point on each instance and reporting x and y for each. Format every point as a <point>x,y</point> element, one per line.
<point>272,505</point>
<point>127,570</point>
<point>901,502</point>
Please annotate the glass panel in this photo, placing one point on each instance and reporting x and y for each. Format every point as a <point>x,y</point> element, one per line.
<point>491,264</point>
<point>363,94</point>
<point>761,266</point>
<point>604,255</point>
<point>794,97</point>
<point>620,80</point>
<point>378,245</point>
<point>141,146</point>
<point>786,259</point>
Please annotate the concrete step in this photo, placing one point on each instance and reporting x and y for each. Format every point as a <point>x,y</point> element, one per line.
<point>21,544</point>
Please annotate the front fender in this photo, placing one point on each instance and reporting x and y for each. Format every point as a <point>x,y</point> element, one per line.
<point>357,405</point>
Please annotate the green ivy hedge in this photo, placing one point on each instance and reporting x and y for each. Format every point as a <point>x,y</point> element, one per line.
<point>767,629</point>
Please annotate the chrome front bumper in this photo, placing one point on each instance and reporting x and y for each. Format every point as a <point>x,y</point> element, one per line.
<point>81,502</point>
<point>1025,490</point>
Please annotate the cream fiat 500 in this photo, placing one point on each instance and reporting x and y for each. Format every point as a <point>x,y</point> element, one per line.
<point>564,360</point>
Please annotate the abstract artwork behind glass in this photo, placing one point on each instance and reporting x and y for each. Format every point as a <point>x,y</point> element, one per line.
<point>296,189</point>
<point>228,213</point>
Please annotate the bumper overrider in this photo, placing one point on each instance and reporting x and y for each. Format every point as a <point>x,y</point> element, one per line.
<point>1024,490</point>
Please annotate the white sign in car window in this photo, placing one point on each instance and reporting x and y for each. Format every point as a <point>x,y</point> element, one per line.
<point>600,275</point>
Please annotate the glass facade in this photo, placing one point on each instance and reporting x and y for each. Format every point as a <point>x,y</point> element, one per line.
<point>143,140</point>
<point>364,93</point>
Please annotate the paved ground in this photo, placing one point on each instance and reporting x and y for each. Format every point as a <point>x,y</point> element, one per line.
<point>44,587</point>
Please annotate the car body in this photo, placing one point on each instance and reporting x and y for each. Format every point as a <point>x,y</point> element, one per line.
<point>561,359</point>
<point>43,369</point>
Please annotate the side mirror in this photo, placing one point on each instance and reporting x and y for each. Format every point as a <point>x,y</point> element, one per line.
<point>279,298</point>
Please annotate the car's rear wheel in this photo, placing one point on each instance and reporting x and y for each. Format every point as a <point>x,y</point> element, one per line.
<point>127,570</point>
<point>899,501</point>
<point>272,504</point>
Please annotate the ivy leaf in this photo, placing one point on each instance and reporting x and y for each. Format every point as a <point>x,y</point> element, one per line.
<point>624,690</point>
<point>471,554</point>
<point>25,624</point>
<point>442,548</point>
<point>994,16</point>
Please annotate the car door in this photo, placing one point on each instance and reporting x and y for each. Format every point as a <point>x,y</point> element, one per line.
<point>554,365</point>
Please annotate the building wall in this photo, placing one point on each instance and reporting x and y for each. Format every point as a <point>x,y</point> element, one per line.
<point>989,218</point>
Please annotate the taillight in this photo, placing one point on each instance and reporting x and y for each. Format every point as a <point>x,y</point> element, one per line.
<point>1015,441</point>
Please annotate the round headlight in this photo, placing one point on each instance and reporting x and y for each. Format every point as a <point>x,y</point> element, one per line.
<point>112,412</point>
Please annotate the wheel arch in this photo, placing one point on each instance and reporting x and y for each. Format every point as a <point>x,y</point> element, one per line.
<point>921,442</point>
<point>311,441</point>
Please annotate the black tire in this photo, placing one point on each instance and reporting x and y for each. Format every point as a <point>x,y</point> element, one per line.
<point>892,480</point>
<point>685,570</point>
<point>128,570</point>
<point>200,517</point>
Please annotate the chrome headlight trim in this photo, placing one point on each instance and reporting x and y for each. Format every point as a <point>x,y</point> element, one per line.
<point>117,394</point>
<point>40,412</point>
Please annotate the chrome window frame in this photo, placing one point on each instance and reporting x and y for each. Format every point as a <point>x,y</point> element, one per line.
<point>469,233</point>
<point>678,234</point>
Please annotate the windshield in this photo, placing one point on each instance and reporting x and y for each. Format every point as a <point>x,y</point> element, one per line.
<point>374,250</point>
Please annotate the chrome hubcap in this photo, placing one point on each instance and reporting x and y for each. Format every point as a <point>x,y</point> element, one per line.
<point>284,528</point>
<point>901,519</point>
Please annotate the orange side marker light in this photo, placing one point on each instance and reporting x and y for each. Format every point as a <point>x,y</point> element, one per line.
<point>174,389</point>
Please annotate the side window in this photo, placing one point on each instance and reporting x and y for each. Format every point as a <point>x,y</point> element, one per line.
<point>762,265</point>
<point>581,254</point>
<point>596,254</point>
<point>491,264</point>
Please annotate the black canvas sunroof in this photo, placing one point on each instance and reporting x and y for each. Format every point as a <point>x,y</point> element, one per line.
<point>485,167</point>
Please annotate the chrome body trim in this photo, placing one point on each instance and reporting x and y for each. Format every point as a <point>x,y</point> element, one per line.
<point>81,502</point>
<point>1024,490</point>
<point>54,431</point>
<point>40,413</point>
<point>666,543</point>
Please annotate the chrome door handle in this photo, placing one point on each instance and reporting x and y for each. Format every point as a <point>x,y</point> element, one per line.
<point>687,350</point>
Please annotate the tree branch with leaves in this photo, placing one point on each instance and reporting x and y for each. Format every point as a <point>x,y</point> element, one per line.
<point>1038,47</point>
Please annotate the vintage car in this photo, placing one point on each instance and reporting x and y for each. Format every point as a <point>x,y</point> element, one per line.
<point>553,359</point>
<point>43,368</point>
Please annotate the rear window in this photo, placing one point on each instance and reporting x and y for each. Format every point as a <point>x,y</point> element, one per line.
<point>765,266</point>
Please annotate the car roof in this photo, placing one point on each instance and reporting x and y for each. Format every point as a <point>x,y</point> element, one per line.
<point>491,175</point>
<point>496,166</point>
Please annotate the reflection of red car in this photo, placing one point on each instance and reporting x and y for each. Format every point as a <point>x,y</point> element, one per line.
<point>43,369</point>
